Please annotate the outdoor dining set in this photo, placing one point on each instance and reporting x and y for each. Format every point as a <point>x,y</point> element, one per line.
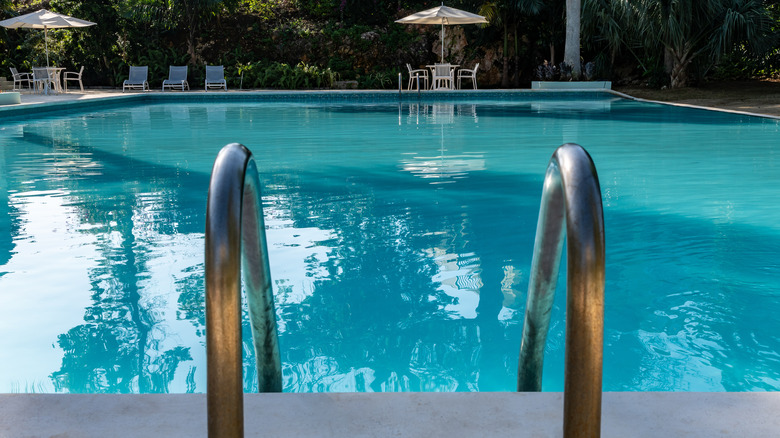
<point>442,77</point>
<point>46,79</point>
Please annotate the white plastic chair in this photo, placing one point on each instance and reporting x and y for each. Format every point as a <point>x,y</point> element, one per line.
<point>442,76</point>
<point>73,76</point>
<point>41,80</point>
<point>137,79</point>
<point>215,77</point>
<point>466,73</point>
<point>419,72</point>
<point>20,79</point>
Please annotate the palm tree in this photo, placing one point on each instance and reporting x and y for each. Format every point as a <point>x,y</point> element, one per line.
<point>687,30</point>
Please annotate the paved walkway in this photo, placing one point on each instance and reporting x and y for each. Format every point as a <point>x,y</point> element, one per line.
<point>89,93</point>
<point>30,98</point>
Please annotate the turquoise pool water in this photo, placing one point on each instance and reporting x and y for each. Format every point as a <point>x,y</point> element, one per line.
<point>401,238</point>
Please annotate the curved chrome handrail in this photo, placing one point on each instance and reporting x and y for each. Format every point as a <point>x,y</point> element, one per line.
<point>235,235</point>
<point>571,193</point>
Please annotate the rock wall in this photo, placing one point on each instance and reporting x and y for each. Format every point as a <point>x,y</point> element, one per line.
<point>457,51</point>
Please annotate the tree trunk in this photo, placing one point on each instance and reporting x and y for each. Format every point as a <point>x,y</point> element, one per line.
<point>516,77</point>
<point>571,53</point>
<point>668,61</point>
<point>192,19</point>
<point>552,54</point>
<point>505,62</point>
<point>505,72</point>
<point>680,61</point>
<point>191,48</point>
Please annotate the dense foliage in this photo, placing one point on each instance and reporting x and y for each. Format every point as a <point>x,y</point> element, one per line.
<point>313,44</point>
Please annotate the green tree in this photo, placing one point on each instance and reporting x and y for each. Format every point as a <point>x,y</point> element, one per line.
<point>507,15</point>
<point>689,30</point>
<point>96,47</point>
<point>183,15</point>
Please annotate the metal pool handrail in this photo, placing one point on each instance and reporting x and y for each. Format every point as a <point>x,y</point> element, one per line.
<point>572,194</point>
<point>235,235</point>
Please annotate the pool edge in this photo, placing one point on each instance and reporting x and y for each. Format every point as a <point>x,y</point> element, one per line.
<point>114,98</point>
<point>45,108</point>
<point>688,105</point>
<point>634,414</point>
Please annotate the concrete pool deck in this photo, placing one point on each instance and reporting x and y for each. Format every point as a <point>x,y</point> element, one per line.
<point>34,98</point>
<point>494,415</point>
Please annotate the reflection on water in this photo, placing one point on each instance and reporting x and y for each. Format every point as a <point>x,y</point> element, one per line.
<point>399,251</point>
<point>123,344</point>
<point>365,295</point>
<point>558,106</point>
<point>441,167</point>
<point>378,315</point>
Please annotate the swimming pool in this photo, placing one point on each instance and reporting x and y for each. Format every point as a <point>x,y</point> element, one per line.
<point>401,237</point>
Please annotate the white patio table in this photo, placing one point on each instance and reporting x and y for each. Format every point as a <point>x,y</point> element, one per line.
<point>453,67</point>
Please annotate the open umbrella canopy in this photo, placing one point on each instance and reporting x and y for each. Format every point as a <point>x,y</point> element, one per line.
<point>442,15</point>
<point>44,19</point>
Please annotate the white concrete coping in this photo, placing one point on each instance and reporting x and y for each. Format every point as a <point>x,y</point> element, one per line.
<point>450,415</point>
<point>573,85</point>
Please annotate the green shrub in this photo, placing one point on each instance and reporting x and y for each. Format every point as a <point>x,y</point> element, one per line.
<point>379,80</point>
<point>285,77</point>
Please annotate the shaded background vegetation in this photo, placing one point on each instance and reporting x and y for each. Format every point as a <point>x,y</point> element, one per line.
<point>310,44</point>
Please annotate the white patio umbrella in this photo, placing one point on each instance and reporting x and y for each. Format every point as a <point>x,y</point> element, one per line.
<point>45,20</point>
<point>443,15</point>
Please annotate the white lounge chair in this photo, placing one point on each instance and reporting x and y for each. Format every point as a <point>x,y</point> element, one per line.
<point>419,72</point>
<point>137,79</point>
<point>177,78</point>
<point>442,77</point>
<point>215,77</point>
<point>20,79</point>
<point>466,73</point>
<point>73,76</point>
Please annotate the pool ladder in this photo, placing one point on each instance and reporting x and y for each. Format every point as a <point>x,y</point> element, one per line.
<point>571,209</point>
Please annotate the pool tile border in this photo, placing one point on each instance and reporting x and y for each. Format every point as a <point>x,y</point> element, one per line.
<point>320,96</point>
<point>332,96</point>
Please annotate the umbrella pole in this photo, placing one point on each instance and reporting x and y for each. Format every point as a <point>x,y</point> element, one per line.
<point>442,42</point>
<point>46,43</point>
